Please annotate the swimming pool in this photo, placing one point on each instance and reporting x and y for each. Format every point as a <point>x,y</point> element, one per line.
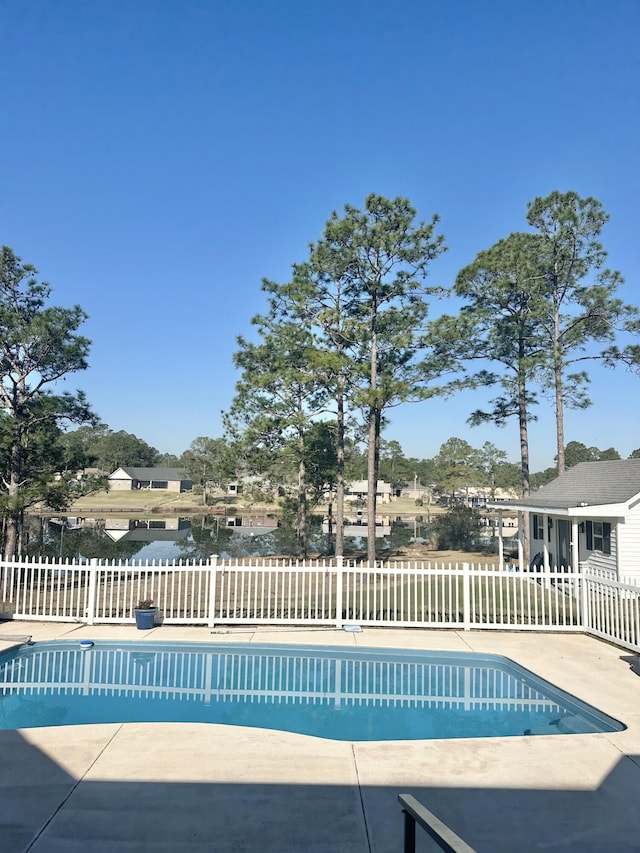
<point>337,693</point>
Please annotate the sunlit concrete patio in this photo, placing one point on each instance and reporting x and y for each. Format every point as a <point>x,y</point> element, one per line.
<point>130,787</point>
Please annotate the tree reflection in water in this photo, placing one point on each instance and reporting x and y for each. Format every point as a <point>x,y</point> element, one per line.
<point>192,538</point>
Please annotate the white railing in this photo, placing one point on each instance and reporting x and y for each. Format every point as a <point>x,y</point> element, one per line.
<point>323,592</point>
<point>612,610</point>
<point>274,592</point>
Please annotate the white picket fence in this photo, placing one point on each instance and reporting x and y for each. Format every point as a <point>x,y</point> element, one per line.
<point>323,592</point>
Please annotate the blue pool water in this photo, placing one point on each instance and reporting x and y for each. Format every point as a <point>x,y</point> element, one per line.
<point>338,693</point>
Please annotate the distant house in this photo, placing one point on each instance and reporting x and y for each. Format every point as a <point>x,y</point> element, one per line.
<point>357,525</point>
<point>167,479</point>
<point>590,514</point>
<point>252,526</point>
<point>414,493</point>
<point>358,489</point>
<point>147,529</point>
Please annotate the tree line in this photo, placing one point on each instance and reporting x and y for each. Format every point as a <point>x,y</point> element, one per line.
<point>348,337</point>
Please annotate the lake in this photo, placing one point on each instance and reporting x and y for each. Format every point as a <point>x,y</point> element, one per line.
<point>194,538</point>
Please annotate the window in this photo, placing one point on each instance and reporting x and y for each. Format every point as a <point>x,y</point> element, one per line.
<point>599,536</point>
<point>538,527</point>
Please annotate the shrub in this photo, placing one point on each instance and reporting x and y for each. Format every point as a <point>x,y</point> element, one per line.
<point>457,529</point>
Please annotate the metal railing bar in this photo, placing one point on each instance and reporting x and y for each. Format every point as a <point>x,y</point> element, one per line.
<point>445,838</point>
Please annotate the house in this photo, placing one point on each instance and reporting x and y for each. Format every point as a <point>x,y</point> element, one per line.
<point>252,526</point>
<point>358,490</point>
<point>357,526</point>
<point>168,479</point>
<point>590,514</point>
<point>147,529</point>
<point>415,493</point>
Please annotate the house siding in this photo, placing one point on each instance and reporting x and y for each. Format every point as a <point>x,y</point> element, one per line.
<point>120,485</point>
<point>598,560</point>
<point>537,545</point>
<point>629,532</point>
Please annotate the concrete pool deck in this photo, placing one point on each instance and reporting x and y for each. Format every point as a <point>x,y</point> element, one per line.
<point>128,788</point>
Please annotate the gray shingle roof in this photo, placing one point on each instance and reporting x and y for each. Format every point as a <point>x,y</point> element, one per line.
<point>155,473</point>
<point>589,484</point>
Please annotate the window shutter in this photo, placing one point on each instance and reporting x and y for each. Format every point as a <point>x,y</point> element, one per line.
<point>589,536</point>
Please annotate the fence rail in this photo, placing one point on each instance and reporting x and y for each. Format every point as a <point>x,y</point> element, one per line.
<point>324,592</point>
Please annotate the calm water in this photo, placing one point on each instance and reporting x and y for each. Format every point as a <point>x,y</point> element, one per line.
<point>175,538</point>
<point>336,693</point>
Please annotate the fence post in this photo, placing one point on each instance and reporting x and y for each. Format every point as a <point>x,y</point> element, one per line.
<point>211,615</point>
<point>8,587</point>
<point>409,845</point>
<point>3,582</point>
<point>466,598</point>
<point>584,598</point>
<point>339,562</point>
<point>93,591</point>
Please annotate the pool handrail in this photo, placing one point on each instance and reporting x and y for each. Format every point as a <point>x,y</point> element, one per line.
<point>444,837</point>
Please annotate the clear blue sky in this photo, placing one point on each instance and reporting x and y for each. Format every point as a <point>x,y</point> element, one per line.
<point>161,156</point>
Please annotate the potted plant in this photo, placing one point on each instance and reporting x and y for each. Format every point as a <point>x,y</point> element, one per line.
<point>145,613</point>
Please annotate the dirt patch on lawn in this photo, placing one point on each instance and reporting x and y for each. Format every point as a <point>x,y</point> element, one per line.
<point>420,552</point>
